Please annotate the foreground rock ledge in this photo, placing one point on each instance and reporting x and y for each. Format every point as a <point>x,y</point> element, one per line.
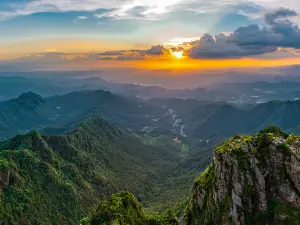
<point>252,180</point>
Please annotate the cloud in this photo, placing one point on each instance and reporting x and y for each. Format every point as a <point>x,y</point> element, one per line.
<point>134,54</point>
<point>115,8</point>
<point>158,50</point>
<point>136,9</point>
<point>272,18</point>
<point>279,32</point>
<point>222,46</point>
<point>250,40</point>
<point>78,18</point>
<point>82,17</point>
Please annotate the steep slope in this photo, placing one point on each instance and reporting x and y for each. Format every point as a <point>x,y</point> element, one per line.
<point>57,179</point>
<point>252,180</point>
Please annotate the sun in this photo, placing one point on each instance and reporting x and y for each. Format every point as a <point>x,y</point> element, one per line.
<point>178,55</point>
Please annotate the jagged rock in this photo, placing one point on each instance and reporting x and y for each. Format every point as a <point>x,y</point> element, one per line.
<point>252,180</point>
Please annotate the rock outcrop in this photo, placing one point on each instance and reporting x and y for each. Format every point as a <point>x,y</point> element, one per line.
<point>252,180</point>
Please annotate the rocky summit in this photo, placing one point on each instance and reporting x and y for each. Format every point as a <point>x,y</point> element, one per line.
<point>252,180</point>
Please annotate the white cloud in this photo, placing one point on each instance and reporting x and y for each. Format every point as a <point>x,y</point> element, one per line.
<point>179,41</point>
<point>82,17</point>
<point>148,9</point>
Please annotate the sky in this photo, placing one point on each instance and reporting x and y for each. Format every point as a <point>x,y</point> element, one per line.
<point>173,35</point>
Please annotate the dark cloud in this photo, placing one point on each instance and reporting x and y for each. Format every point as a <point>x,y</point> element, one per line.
<point>222,46</point>
<point>251,40</point>
<point>157,50</point>
<point>112,53</point>
<point>280,14</point>
<point>135,54</point>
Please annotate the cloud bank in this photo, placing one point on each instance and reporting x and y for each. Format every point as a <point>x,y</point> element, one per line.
<point>251,40</point>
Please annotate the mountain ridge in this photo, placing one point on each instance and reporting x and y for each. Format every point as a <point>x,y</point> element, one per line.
<point>58,178</point>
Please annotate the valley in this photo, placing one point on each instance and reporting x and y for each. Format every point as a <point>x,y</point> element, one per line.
<point>88,145</point>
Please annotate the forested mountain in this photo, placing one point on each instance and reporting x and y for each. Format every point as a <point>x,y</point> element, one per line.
<point>252,180</point>
<point>61,113</point>
<point>152,148</point>
<point>216,119</point>
<point>192,118</point>
<point>58,179</point>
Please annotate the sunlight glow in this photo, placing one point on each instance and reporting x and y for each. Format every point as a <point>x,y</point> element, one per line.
<point>178,55</point>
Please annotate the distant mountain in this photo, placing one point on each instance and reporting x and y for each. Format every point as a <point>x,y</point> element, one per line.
<point>46,84</point>
<point>21,114</point>
<point>11,87</point>
<point>207,120</point>
<point>58,179</point>
<point>62,113</point>
<point>197,120</point>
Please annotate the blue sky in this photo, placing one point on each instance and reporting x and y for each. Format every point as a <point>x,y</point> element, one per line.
<point>29,26</point>
<point>146,21</point>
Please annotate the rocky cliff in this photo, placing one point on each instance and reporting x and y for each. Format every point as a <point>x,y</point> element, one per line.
<point>252,180</point>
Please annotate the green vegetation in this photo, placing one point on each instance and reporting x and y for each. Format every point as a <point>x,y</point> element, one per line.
<point>274,130</point>
<point>124,209</point>
<point>207,178</point>
<point>284,213</point>
<point>236,143</point>
<point>59,179</point>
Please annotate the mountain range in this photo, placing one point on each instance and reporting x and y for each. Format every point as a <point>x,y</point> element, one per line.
<point>90,144</point>
<point>57,179</point>
<point>197,120</point>
<point>54,83</point>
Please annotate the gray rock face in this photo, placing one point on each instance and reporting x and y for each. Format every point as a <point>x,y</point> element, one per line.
<point>249,178</point>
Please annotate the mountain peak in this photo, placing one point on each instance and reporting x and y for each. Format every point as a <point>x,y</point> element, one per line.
<point>252,180</point>
<point>30,98</point>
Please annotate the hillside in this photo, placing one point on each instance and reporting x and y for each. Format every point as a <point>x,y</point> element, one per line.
<point>124,208</point>
<point>58,179</point>
<point>252,180</point>
<point>21,114</point>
